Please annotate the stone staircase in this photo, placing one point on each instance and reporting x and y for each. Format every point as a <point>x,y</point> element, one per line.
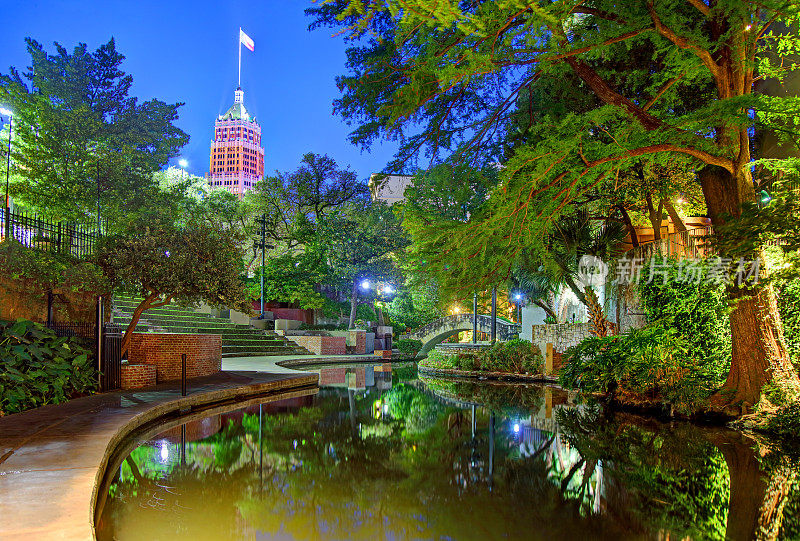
<point>237,340</point>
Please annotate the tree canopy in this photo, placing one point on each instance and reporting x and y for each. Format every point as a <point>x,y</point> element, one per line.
<point>82,139</point>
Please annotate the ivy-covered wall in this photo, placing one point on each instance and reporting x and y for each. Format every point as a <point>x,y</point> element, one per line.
<point>27,275</point>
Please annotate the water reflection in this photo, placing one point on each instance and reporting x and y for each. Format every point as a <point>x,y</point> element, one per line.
<point>381,454</point>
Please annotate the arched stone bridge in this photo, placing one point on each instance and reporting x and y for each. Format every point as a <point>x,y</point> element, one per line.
<point>443,328</point>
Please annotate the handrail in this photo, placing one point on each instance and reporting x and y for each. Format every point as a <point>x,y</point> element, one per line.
<point>689,243</point>
<point>425,329</point>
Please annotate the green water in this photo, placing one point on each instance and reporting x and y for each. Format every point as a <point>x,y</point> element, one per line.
<point>380,454</point>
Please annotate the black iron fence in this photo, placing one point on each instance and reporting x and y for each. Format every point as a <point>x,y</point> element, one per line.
<point>110,364</point>
<point>66,238</point>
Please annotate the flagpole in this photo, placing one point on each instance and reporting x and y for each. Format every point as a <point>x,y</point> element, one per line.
<point>239,41</point>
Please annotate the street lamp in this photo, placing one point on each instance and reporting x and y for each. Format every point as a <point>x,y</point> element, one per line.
<point>365,284</point>
<point>184,164</point>
<point>6,112</point>
<point>518,298</point>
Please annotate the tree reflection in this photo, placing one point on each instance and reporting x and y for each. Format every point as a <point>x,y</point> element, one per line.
<point>460,460</point>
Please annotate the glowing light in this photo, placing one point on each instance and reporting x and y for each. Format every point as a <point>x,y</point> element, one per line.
<point>164,451</point>
<point>456,310</point>
<point>388,289</point>
<point>681,201</point>
<point>516,427</point>
<point>518,296</point>
<point>183,163</point>
<point>365,284</point>
<point>748,27</point>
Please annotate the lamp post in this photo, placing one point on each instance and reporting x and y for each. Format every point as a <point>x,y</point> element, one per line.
<point>518,298</point>
<point>183,164</point>
<point>262,221</point>
<point>7,220</point>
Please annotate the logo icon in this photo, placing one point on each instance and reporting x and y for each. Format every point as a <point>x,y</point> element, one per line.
<point>592,271</point>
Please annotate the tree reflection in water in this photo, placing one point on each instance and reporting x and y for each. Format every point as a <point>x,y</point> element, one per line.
<point>382,457</point>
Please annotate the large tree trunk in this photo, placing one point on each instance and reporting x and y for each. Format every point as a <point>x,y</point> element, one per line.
<point>626,219</point>
<point>757,494</point>
<point>759,353</point>
<point>656,216</point>
<point>351,324</point>
<point>379,312</point>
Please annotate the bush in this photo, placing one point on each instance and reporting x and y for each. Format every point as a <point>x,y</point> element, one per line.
<point>788,294</point>
<point>697,312</point>
<point>648,364</point>
<point>785,422</point>
<point>39,368</point>
<point>514,356</point>
<point>409,348</point>
<point>517,356</point>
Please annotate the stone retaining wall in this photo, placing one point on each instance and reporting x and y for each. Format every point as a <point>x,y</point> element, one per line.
<point>562,336</point>
<point>164,350</point>
<point>455,349</point>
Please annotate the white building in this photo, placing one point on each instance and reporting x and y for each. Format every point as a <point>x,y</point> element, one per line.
<point>389,188</point>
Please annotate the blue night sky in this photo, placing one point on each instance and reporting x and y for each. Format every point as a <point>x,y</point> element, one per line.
<point>181,51</point>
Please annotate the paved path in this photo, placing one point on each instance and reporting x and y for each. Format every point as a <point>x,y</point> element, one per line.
<point>292,362</point>
<point>52,458</point>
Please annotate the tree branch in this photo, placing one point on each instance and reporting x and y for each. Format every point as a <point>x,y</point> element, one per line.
<point>701,7</point>
<point>684,43</point>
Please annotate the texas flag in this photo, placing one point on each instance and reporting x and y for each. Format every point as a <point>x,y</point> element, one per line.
<point>246,40</point>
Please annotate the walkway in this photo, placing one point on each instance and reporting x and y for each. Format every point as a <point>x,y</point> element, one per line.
<point>52,459</point>
<point>289,364</point>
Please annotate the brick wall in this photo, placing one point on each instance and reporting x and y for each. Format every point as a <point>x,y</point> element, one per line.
<point>358,340</point>
<point>136,376</point>
<point>322,345</point>
<point>164,350</point>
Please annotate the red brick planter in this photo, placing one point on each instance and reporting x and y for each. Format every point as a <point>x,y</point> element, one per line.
<point>163,351</point>
<point>135,376</point>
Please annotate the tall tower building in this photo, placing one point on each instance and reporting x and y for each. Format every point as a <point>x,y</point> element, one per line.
<point>237,157</point>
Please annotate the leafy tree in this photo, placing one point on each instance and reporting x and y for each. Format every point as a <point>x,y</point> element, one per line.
<point>82,140</point>
<point>361,243</point>
<point>162,261</point>
<point>447,74</point>
<point>293,279</point>
<point>294,203</point>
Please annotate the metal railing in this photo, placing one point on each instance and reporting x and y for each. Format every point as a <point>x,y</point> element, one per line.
<point>111,363</point>
<point>34,232</point>
<point>692,243</point>
<point>111,372</point>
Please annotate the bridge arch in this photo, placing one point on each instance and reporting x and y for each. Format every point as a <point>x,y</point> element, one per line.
<point>443,328</point>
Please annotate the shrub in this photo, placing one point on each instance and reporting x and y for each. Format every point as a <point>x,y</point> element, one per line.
<point>788,294</point>
<point>784,421</point>
<point>650,364</point>
<point>38,368</point>
<point>697,312</point>
<point>437,359</point>
<point>409,348</point>
<point>517,356</point>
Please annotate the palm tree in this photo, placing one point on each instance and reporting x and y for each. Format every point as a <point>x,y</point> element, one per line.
<point>574,236</point>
